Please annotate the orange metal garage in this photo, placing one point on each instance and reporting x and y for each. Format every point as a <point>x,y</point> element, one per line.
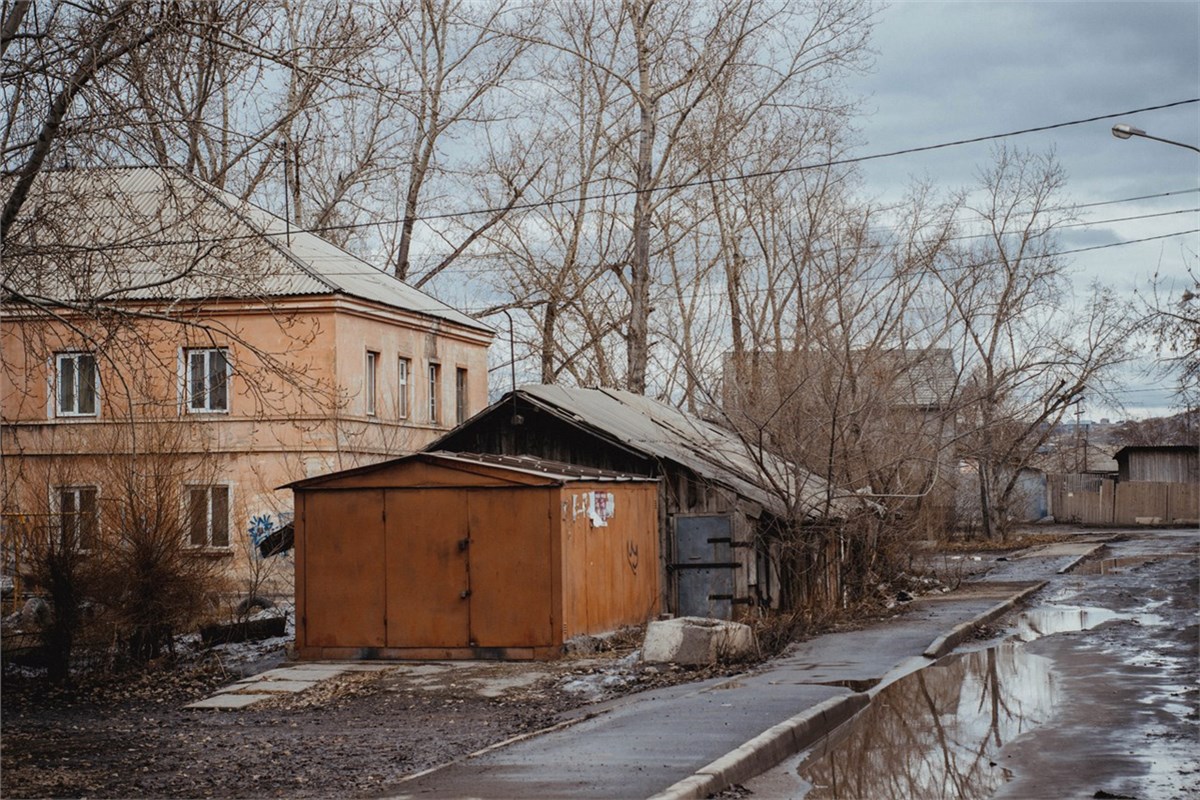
<point>445,555</point>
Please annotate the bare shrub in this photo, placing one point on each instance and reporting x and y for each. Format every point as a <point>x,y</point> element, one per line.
<point>156,577</point>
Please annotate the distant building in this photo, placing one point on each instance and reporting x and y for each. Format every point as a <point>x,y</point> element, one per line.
<point>1159,463</point>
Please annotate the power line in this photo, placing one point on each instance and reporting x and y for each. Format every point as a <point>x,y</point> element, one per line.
<point>771,172</point>
<point>887,245</point>
<point>683,185</point>
<point>960,268</point>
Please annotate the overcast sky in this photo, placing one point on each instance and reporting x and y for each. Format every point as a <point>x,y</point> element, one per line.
<point>956,70</point>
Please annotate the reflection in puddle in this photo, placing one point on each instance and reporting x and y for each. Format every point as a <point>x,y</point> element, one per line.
<point>1048,620</point>
<point>1107,565</point>
<point>936,732</point>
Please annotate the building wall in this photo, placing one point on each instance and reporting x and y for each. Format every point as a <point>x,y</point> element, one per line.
<point>610,572</point>
<point>1175,465</point>
<point>296,406</point>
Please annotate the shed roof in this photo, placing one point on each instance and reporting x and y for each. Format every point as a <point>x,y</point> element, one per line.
<point>152,233</point>
<point>663,432</point>
<point>1180,449</point>
<point>553,472</point>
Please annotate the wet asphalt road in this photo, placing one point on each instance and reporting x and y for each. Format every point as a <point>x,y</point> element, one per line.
<point>1093,690</point>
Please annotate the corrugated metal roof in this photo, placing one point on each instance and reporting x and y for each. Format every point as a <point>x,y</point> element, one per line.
<point>147,233</point>
<point>664,432</point>
<point>555,470</point>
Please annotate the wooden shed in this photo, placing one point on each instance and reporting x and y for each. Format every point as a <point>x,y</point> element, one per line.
<point>721,505</point>
<point>447,555</point>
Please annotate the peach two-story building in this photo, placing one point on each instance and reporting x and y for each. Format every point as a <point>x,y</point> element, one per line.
<point>145,312</point>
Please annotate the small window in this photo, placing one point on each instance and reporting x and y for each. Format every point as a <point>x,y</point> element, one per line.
<point>207,380</point>
<point>76,388</point>
<point>370,381</point>
<point>77,516</point>
<point>435,400</point>
<point>460,395</point>
<point>402,372</point>
<point>208,516</point>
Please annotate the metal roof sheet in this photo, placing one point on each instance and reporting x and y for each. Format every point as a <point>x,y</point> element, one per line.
<point>555,470</point>
<point>149,233</point>
<point>662,431</point>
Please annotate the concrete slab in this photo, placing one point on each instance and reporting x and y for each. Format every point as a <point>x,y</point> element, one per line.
<point>360,666</point>
<point>302,674</point>
<point>280,687</point>
<point>228,701</point>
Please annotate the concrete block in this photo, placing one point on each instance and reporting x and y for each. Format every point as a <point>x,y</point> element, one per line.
<point>697,640</point>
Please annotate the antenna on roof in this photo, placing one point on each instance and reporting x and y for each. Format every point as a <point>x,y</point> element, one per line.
<point>517,419</point>
<point>287,193</point>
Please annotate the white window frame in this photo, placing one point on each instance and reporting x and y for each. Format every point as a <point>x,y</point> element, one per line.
<point>435,391</point>
<point>403,376</point>
<point>59,384</point>
<point>460,394</point>
<point>206,392</point>
<point>57,505</point>
<point>371,381</point>
<point>209,516</point>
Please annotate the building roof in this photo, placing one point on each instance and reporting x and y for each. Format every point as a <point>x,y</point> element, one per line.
<point>156,234</point>
<point>1180,449</point>
<point>663,432</point>
<point>552,471</point>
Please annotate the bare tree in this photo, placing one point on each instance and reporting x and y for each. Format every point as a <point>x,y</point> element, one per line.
<point>1027,353</point>
<point>1175,326</point>
<point>655,102</point>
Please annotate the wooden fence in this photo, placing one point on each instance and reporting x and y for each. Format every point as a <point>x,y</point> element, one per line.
<point>1096,500</point>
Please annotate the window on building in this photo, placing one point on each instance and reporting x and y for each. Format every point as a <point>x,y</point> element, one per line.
<point>460,395</point>
<point>76,385</point>
<point>435,390</point>
<point>402,387</point>
<point>77,516</point>
<point>208,516</point>
<point>370,381</point>
<point>207,380</point>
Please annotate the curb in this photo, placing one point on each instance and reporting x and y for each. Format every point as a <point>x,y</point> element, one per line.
<point>768,748</point>
<point>1075,562</point>
<point>944,644</point>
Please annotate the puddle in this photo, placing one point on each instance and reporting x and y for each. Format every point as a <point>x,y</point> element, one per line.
<point>1108,565</point>
<point>1048,620</point>
<point>936,732</point>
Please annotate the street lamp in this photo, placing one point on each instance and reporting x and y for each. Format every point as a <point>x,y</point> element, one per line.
<point>1123,131</point>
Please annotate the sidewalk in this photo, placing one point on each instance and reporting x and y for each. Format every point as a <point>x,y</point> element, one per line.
<point>692,740</point>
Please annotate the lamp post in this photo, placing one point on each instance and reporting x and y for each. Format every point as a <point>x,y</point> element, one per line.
<point>1124,131</point>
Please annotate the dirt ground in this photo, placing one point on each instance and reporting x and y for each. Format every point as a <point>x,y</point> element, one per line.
<point>348,736</point>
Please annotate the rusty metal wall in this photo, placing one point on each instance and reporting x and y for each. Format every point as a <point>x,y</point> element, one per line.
<point>610,572</point>
<point>429,568</point>
<point>454,570</point>
<point>344,595</point>
<point>510,567</point>
<point>426,568</point>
